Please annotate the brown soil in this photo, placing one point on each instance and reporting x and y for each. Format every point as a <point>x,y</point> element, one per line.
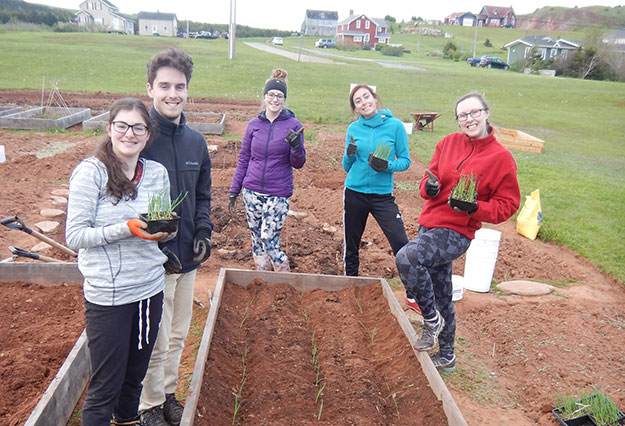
<point>515,354</point>
<point>365,373</point>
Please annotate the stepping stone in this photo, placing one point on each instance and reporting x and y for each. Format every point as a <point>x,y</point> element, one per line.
<point>297,215</point>
<point>59,200</point>
<point>61,192</point>
<point>327,228</point>
<point>525,288</point>
<point>51,212</point>
<point>40,247</point>
<point>212,148</point>
<point>47,226</point>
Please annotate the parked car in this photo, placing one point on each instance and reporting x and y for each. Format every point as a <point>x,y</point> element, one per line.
<point>325,43</point>
<point>492,62</point>
<point>277,41</point>
<point>474,62</point>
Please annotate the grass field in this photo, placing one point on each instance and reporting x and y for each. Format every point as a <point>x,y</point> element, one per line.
<point>580,175</point>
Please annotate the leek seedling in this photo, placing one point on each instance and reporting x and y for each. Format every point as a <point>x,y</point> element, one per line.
<point>319,392</point>
<point>160,207</point>
<point>466,188</point>
<point>383,151</point>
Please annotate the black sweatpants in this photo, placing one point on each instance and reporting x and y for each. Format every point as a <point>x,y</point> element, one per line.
<point>356,209</point>
<point>121,339</point>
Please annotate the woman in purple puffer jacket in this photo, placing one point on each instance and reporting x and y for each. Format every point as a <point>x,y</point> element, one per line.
<point>272,146</point>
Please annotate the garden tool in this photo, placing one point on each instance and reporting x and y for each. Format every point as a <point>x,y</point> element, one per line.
<point>15,222</point>
<point>17,252</point>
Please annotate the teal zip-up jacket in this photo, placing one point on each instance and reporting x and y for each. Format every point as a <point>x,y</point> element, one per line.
<point>368,134</point>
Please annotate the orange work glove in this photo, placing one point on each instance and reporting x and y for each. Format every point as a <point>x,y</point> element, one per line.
<point>137,227</point>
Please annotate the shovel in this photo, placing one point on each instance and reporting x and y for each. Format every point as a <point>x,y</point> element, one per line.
<point>18,252</point>
<point>15,222</point>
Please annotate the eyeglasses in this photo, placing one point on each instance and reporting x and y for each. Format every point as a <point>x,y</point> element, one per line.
<point>138,129</point>
<point>276,96</point>
<point>476,113</point>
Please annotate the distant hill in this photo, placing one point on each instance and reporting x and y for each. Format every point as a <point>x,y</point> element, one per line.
<point>551,18</point>
<point>20,11</point>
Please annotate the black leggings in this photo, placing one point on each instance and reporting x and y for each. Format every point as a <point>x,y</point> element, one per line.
<point>356,209</point>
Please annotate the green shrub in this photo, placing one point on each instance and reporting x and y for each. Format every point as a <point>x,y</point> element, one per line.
<point>391,50</point>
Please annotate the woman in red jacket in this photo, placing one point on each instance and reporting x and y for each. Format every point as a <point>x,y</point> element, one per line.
<point>445,233</point>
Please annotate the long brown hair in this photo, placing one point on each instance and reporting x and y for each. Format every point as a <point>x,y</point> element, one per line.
<point>118,186</point>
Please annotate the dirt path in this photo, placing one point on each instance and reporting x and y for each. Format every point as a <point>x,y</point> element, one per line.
<point>515,354</point>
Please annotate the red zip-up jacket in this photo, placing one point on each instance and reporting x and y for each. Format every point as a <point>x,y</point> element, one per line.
<point>496,172</point>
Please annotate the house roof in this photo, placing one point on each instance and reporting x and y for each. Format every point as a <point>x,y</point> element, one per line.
<point>459,14</point>
<point>378,21</point>
<point>158,16</point>
<point>545,41</point>
<point>328,15</point>
<point>497,11</point>
<point>616,34</point>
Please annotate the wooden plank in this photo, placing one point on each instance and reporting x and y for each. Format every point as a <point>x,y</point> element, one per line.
<point>311,282</point>
<point>58,401</point>
<point>41,273</point>
<point>518,140</point>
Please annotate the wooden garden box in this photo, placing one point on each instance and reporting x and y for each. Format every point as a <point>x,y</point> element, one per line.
<point>59,118</point>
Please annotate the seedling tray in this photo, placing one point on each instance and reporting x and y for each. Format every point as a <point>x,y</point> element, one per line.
<point>301,283</point>
<point>60,118</point>
<point>586,419</point>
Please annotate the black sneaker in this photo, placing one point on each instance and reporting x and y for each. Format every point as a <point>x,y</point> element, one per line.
<point>153,417</point>
<point>444,363</point>
<point>115,422</point>
<point>172,409</point>
<point>429,333</point>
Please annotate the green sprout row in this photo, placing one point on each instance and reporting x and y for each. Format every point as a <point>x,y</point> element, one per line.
<point>237,396</point>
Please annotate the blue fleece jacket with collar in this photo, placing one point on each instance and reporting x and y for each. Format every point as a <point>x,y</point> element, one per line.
<point>368,134</point>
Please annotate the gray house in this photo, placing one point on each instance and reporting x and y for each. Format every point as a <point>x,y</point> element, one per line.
<point>616,39</point>
<point>547,47</point>
<point>320,22</point>
<point>151,23</point>
<point>102,15</point>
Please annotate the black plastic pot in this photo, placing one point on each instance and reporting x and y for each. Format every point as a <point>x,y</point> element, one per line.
<point>376,163</point>
<point>584,419</point>
<point>161,225</point>
<point>462,205</point>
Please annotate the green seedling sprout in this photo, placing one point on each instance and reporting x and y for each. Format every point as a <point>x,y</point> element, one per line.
<point>466,188</point>
<point>602,409</point>
<point>237,396</point>
<point>319,392</point>
<point>373,334</point>
<point>320,410</point>
<point>357,302</point>
<point>247,307</point>
<point>383,151</point>
<point>160,206</point>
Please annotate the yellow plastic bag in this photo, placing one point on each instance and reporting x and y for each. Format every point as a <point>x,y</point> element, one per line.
<point>531,216</point>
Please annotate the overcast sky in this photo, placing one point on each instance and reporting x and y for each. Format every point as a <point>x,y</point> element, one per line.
<point>290,15</point>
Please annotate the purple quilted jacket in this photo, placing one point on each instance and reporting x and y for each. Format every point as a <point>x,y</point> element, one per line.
<point>266,161</point>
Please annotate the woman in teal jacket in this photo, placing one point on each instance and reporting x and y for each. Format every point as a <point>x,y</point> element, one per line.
<point>369,181</point>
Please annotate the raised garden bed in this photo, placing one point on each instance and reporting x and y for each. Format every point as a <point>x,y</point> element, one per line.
<point>518,140</point>
<point>9,109</point>
<point>45,118</point>
<point>43,312</point>
<point>289,348</point>
<point>204,122</point>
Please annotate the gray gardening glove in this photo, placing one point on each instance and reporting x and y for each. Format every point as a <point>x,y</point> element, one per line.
<point>232,204</point>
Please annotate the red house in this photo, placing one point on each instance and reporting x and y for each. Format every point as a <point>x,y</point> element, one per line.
<point>362,30</point>
<point>497,16</point>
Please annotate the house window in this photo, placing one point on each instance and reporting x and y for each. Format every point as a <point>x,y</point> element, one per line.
<point>367,38</point>
<point>154,28</point>
<point>98,6</point>
<point>358,23</point>
<point>358,39</point>
<point>165,29</point>
<point>145,28</point>
<point>367,24</point>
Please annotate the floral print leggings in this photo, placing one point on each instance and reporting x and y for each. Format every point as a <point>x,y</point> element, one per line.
<point>265,218</point>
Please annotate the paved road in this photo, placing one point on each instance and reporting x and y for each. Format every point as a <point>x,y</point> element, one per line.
<point>291,55</point>
<point>323,52</point>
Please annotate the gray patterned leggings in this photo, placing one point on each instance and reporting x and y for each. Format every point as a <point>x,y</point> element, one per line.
<point>424,266</point>
<point>265,218</point>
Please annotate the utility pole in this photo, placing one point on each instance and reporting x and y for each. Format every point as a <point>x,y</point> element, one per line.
<point>233,30</point>
<point>475,37</point>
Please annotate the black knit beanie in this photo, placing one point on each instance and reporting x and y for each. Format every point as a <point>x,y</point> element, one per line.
<point>276,84</point>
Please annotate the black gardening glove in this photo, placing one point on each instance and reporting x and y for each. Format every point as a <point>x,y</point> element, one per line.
<point>173,265</point>
<point>201,245</point>
<point>294,138</point>
<point>432,187</point>
<point>232,204</point>
<point>377,164</point>
<point>351,147</point>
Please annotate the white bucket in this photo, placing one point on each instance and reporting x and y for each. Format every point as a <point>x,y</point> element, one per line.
<point>2,155</point>
<point>458,287</point>
<point>481,258</point>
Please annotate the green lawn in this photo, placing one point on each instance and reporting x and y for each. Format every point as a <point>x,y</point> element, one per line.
<point>580,175</point>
